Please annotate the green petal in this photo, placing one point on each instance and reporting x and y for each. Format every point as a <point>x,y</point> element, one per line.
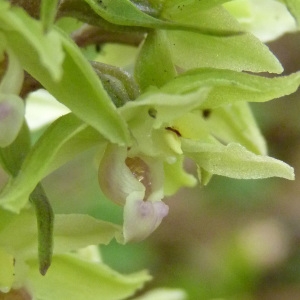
<point>68,136</point>
<point>235,123</point>
<point>73,278</point>
<point>176,177</point>
<point>116,180</point>
<point>229,86</point>
<point>150,115</point>
<point>235,161</point>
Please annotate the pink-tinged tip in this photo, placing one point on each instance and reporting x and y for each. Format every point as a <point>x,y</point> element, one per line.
<point>141,218</point>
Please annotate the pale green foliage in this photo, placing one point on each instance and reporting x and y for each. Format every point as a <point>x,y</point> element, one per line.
<point>190,100</point>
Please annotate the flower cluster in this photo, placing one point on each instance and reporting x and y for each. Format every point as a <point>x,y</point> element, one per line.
<point>186,97</point>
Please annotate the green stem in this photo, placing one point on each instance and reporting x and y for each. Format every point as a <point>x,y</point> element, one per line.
<point>89,35</point>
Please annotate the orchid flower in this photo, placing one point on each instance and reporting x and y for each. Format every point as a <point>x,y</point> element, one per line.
<point>197,123</point>
<point>193,105</point>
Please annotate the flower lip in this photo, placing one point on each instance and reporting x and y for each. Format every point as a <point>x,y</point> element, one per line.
<point>140,170</point>
<point>142,218</point>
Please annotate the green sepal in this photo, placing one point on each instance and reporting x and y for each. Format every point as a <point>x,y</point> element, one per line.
<point>229,87</point>
<point>235,161</point>
<point>243,52</point>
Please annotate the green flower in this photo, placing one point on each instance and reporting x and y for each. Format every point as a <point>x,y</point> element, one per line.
<point>137,184</point>
<point>188,117</point>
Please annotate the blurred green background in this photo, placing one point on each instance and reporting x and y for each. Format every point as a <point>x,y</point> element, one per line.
<point>233,239</point>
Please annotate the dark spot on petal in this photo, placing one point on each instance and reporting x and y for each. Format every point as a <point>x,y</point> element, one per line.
<point>206,113</point>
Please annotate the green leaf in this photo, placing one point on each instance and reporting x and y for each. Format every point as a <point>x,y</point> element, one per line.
<point>57,63</point>
<point>149,69</point>
<point>68,136</point>
<point>48,13</point>
<point>235,161</point>
<point>238,52</point>
<point>73,278</point>
<point>229,87</point>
